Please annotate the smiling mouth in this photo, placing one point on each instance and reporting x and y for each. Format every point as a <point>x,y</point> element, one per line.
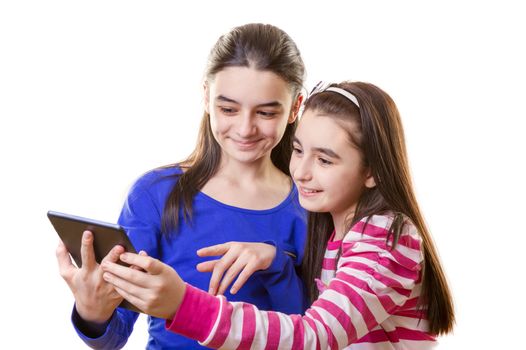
<point>308,191</point>
<point>245,144</point>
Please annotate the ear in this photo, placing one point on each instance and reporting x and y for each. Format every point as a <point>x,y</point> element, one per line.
<point>206,96</point>
<point>295,109</point>
<point>369,179</point>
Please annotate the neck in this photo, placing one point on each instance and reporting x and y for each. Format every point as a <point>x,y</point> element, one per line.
<point>340,220</point>
<point>260,169</point>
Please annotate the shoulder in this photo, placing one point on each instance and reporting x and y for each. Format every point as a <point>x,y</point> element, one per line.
<point>154,176</point>
<point>373,233</point>
<point>156,180</point>
<point>378,226</point>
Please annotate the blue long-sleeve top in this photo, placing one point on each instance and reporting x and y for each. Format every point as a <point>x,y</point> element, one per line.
<point>277,288</point>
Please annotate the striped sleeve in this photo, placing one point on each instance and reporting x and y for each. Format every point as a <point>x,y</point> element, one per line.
<point>371,283</point>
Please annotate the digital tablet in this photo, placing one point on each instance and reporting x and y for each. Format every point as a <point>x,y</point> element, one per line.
<point>105,236</point>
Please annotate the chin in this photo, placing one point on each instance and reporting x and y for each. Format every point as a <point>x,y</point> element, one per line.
<point>312,207</point>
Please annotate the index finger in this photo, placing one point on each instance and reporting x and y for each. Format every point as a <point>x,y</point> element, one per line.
<point>127,274</point>
<point>147,263</point>
<point>114,254</point>
<point>87,254</point>
<point>214,250</point>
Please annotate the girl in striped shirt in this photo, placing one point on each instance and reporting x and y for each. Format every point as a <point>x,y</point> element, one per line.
<point>373,273</point>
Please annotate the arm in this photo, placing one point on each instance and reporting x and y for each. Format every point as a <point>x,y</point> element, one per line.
<point>273,263</point>
<point>266,261</point>
<point>364,293</point>
<point>239,259</point>
<point>95,300</point>
<point>140,218</point>
<point>281,278</point>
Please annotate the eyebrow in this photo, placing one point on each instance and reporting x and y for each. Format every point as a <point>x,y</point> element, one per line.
<point>267,104</point>
<point>323,150</point>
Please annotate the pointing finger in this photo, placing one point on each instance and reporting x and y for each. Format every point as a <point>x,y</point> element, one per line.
<point>147,263</point>
<point>114,254</point>
<point>214,250</point>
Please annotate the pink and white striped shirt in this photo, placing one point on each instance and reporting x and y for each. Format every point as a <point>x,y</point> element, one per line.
<point>368,300</point>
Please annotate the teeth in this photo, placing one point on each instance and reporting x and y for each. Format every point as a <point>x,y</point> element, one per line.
<point>309,191</point>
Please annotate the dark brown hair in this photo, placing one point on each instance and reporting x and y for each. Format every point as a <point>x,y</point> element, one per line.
<point>377,132</point>
<point>263,47</point>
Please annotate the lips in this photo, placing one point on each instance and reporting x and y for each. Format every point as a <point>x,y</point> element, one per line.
<point>245,143</point>
<point>308,192</point>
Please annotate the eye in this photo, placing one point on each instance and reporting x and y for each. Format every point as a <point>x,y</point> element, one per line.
<point>324,161</point>
<point>227,110</point>
<point>296,150</point>
<point>267,114</point>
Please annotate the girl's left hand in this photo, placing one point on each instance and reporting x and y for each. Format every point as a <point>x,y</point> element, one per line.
<point>239,259</point>
<point>156,290</point>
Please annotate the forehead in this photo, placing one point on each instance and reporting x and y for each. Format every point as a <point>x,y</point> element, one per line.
<point>251,86</point>
<point>315,128</point>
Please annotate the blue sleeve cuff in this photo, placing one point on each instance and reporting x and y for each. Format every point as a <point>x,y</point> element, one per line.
<point>91,333</point>
<point>280,260</point>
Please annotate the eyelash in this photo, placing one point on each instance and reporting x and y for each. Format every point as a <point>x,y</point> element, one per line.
<point>267,114</point>
<point>324,161</point>
<point>227,110</point>
<point>231,111</point>
<point>296,150</point>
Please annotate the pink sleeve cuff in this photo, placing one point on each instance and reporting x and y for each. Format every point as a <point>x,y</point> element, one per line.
<point>196,315</point>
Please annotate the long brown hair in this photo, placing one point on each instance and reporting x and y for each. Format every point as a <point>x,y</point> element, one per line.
<point>263,47</point>
<point>379,135</point>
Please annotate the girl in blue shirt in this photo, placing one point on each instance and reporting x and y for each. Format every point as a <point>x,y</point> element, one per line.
<point>235,187</point>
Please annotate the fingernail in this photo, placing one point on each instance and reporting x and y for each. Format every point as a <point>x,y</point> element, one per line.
<point>124,256</point>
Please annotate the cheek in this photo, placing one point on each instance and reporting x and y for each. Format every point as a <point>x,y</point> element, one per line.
<point>274,128</point>
<point>349,187</point>
<point>293,165</point>
<point>218,124</point>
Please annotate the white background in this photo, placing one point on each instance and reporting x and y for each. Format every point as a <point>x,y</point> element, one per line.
<point>94,93</point>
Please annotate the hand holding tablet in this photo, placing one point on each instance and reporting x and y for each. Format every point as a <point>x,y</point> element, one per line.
<point>70,229</point>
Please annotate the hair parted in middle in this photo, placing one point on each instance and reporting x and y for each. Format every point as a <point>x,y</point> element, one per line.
<point>263,47</point>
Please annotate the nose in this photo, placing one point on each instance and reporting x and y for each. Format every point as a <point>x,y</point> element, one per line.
<point>300,168</point>
<point>247,126</point>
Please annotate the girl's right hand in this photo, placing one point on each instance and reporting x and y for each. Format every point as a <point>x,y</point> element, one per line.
<point>95,299</point>
<point>239,259</point>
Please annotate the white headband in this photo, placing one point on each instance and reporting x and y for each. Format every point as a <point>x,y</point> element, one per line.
<point>345,93</point>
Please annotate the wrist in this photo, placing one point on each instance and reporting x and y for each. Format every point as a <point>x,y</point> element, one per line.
<point>277,261</point>
<point>92,315</point>
<point>88,328</point>
<point>178,300</point>
<point>196,314</point>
